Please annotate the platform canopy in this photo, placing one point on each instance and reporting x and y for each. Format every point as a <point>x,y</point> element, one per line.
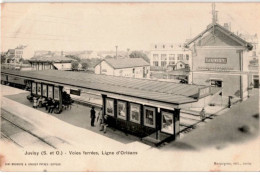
<point>153,90</point>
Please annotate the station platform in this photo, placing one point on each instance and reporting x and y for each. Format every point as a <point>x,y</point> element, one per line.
<point>71,126</point>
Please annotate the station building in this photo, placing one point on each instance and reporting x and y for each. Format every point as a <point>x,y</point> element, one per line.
<point>14,55</point>
<point>45,62</point>
<point>220,59</point>
<point>124,67</point>
<point>164,55</point>
<point>146,108</point>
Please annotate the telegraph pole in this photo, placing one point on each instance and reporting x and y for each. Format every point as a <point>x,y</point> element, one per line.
<point>116,52</point>
<point>213,13</point>
<point>214,18</point>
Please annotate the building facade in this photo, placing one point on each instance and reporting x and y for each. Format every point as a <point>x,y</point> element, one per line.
<point>220,59</point>
<point>253,58</point>
<point>163,55</point>
<point>46,62</point>
<point>14,55</point>
<point>126,67</point>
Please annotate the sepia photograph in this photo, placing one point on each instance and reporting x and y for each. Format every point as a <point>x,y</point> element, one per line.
<point>110,86</point>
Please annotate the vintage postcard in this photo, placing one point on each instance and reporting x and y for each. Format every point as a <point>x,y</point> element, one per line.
<point>130,87</point>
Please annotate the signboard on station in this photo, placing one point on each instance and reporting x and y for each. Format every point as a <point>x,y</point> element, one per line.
<point>216,60</point>
<point>14,79</point>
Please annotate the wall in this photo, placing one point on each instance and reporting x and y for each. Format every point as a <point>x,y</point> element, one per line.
<point>128,72</point>
<point>230,82</point>
<point>227,59</point>
<point>245,85</point>
<point>105,68</point>
<point>199,104</point>
<point>180,65</point>
<point>41,66</point>
<point>168,52</point>
<point>97,69</point>
<point>231,55</point>
<point>61,66</point>
<point>125,72</point>
<point>85,96</point>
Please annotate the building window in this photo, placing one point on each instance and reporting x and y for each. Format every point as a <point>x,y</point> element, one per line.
<point>171,46</point>
<point>155,56</point>
<point>155,46</point>
<point>163,46</point>
<point>133,70</point>
<point>180,56</point>
<point>171,57</point>
<point>163,63</point>
<point>216,83</point>
<point>163,57</point>
<point>187,56</point>
<point>155,63</point>
<point>171,62</point>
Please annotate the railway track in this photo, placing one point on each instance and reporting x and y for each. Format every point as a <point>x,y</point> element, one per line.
<point>188,122</point>
<point>18,135</point>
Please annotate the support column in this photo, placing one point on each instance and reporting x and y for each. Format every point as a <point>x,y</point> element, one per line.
<point>60,97</point>
<point>104,104</point>
<point>158,123</point>
<point>241,88</point>
<point>176,120</point>
<point>31,87</point>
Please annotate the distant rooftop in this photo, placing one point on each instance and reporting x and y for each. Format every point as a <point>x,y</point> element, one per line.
<point>50,58</point>
<point>126,62</point>
<point>11,51</point>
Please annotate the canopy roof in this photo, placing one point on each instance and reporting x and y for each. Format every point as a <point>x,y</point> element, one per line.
<point>166,92</point>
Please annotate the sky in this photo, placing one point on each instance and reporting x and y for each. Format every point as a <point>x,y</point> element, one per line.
<point>102,26</point>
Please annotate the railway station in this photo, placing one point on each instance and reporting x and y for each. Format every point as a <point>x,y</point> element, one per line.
<point>145,108</point>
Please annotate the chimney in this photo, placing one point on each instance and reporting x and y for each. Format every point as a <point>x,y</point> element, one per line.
<point>227,26</point>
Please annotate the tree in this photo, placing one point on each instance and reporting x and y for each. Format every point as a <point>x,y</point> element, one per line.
<point>139,54</point>
<point>3,58</point>
<point>74,57</point>
<point>85,66</point>
<point>21,60</point>
<point>74,65</point>
<point>26,61</point>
